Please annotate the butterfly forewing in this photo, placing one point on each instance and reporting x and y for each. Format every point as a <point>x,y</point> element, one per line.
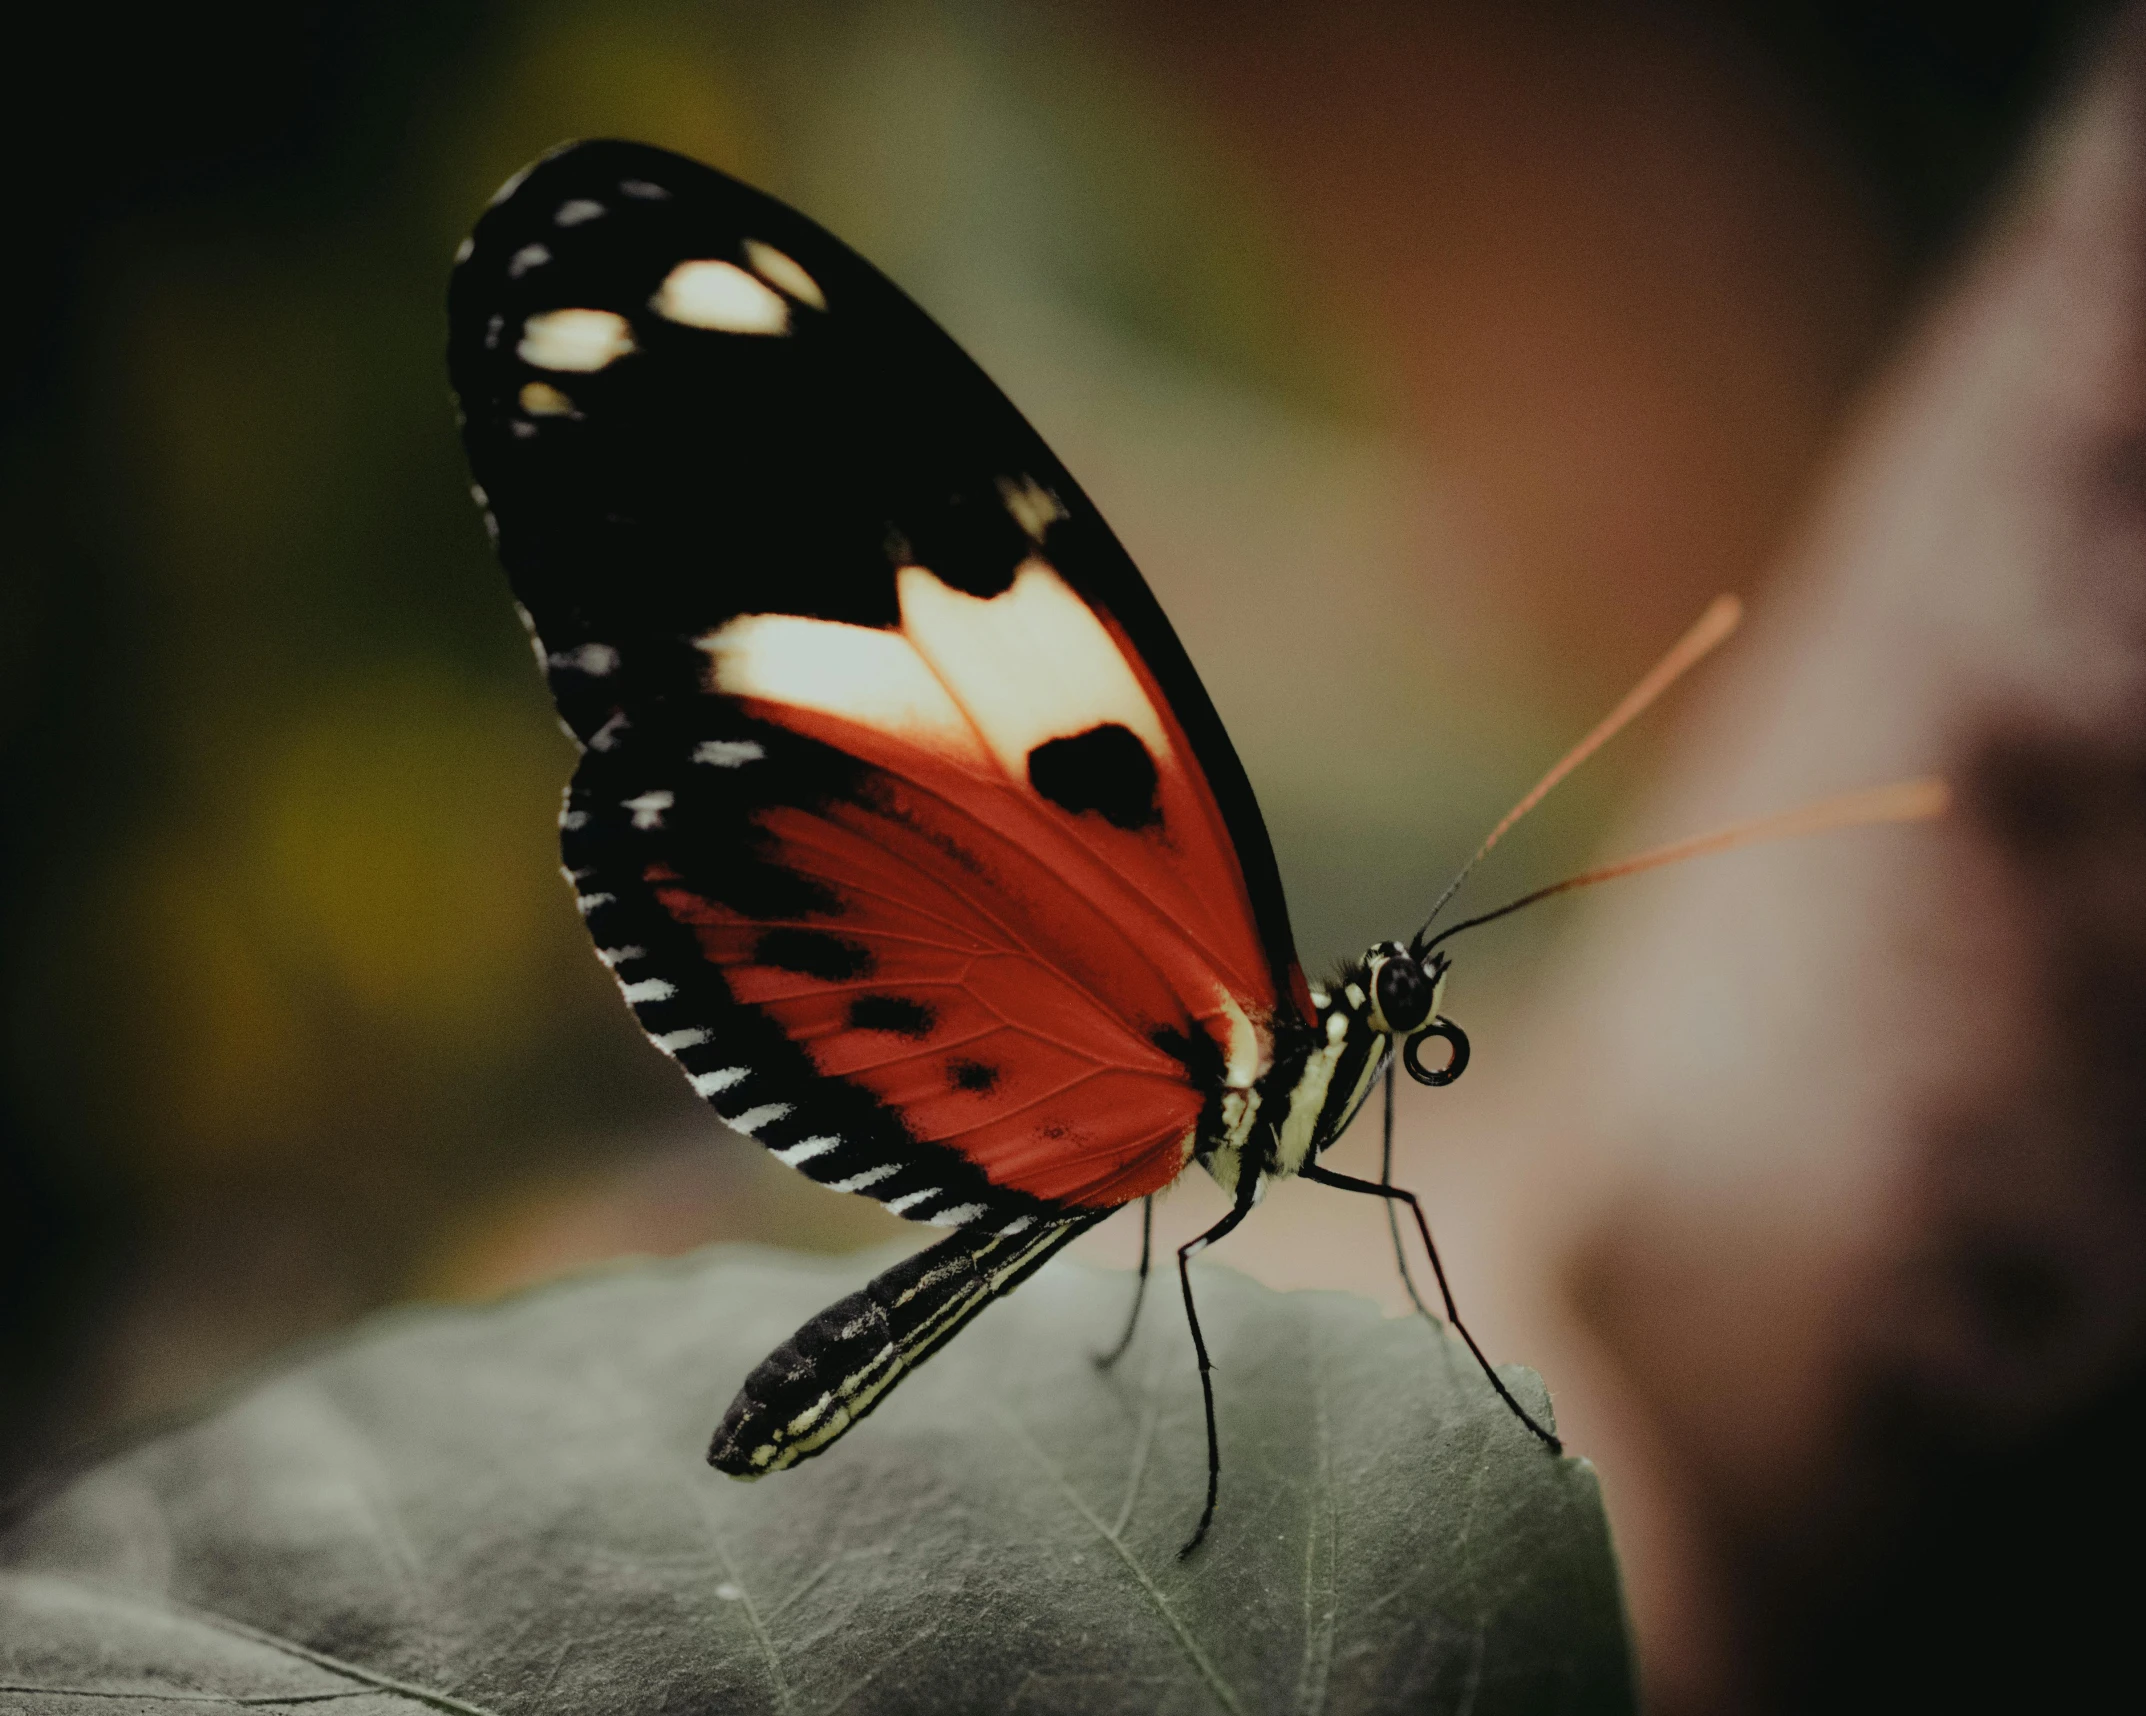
<point>902,818</point>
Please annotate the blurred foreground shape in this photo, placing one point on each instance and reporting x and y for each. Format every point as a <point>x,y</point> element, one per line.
<point>1846,1140</point>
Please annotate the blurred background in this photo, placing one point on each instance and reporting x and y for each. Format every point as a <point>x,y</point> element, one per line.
<point>1437,362</point>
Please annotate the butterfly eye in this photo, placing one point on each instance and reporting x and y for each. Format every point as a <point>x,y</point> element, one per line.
<point>1405,994</point>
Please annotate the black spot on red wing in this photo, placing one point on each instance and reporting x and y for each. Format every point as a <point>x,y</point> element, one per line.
<point>1199,1053</point>
<point>896,1013</point>
<point>1106,769</point>
<point>976,1076</point>
<point>812,953</point>
<point>760,890</point>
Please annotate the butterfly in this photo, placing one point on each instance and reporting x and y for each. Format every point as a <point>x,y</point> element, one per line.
<point>901,817</point>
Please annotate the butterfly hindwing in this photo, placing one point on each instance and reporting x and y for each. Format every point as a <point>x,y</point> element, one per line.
<point>868,1000</point>
<point>902,818</point>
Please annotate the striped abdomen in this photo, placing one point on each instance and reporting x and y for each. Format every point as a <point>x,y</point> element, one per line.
<point>837,1367</point>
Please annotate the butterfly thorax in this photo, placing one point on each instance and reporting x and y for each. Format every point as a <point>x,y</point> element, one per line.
<point>1316,1081</point>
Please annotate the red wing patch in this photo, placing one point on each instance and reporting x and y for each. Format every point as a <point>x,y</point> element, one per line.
<point>985,975</point>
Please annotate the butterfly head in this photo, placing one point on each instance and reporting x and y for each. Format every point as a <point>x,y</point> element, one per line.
<point>1404,989</point>
<point>1404,992</point>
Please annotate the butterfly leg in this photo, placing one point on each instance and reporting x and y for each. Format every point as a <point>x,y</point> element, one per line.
<point>1393,1212</point>
<point>1345,1183</point>
<point>1103,1361</point>
<point>1247,1189</point>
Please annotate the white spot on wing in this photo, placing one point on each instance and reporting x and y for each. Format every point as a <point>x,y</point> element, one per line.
<point>860,673</point>
<point>648,809</point>
<point>1031,664</point>
<point>728,753</point>
<point>753,1119</point>
<point>528,257</point>
<point>784,271</point>
<point>1032,506</point>
<point>541,399</point>
<point>643,190</point>
<point>870,1177</point>
<point>910,1202</point>
<point>708,1083</point>
<point>670,1042</point>
<point>805,1150</point>
<point>721,296</point>
<point>614,957</point>
<point>579,209</point>
<point>591,902</point>
<point>954,1216</point>
<point>510,187</point>
<point>580,341</point>
<point>464,250</point>
<point>594,659</point>
<point>648,989</point>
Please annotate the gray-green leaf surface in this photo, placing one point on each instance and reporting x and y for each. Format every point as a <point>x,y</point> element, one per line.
<point>507,1510</point>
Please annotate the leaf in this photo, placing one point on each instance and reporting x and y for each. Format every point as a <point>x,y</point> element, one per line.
<point>507,1509</point>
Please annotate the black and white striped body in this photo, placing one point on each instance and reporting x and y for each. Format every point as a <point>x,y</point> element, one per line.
<point>1298,1106</point>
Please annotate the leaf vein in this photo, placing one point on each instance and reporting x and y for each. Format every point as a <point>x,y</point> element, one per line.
<point>745,1597</point>
<point>1221,1689</point>
<point>368,1678</point>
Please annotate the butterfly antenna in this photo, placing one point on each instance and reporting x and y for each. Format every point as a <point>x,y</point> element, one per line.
<point>1719,620</point>
<point>1902,801</point>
